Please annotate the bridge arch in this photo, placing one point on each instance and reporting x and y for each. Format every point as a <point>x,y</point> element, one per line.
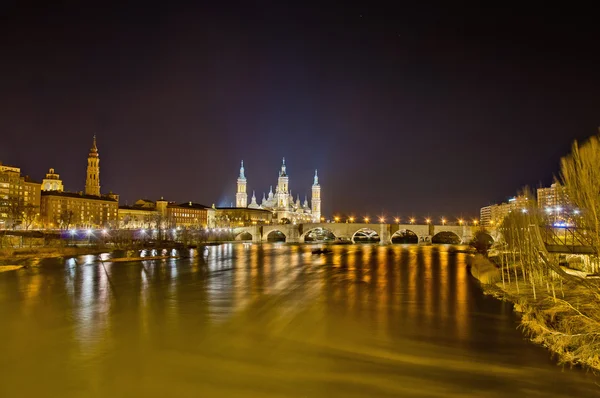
<point>365,235</point>
<point>275,236</point>
<point>405,236</point>
<point>318,234</point>
<point>244,235</point>
<point>446,237</point>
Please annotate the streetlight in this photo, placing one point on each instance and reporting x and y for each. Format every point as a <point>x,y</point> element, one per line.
<point>475,222</point>
<point>443,221</point>
<point>336,218</point>
<point>397,220</point>
<point>428,220</point>
<point>366,220</point>
<point>460,221</point>
<point>381,220</point>
<point>412,220</point>
<point>351,219</point>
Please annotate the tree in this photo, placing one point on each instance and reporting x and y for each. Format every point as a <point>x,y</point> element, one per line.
<point>580,175</point>
<point>29,213</point>
<point>66,218</point>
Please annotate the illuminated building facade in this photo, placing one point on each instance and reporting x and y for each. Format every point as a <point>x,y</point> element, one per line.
<point>52,182</point>
<point>190,215</point>
<point>70,209</point>
<point>494,214</point>
<point>229,217</point>
<point>281,203</point>
<point>92,181</point>
<point>555,202</point>
<point>19,198</point>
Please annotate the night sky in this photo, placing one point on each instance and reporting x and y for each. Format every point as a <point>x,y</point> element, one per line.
<point>405,110</point>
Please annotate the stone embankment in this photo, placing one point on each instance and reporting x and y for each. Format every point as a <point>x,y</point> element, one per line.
<point>566,320</point>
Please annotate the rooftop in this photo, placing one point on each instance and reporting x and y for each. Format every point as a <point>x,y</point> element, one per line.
<point>78,195</point>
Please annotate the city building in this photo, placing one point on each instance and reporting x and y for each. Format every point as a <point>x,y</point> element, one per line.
<point>554,201</point>
<point>60,209</point>
<point>228,217</point>
<point>190,215</point>
<point>70,209</point>
<point>281,203</point>
<point>92,181</point>
<point>553,196</point>
<point>142,214</point>
<point>52,182</point>
<point>19,199</point>
<point>493,215</point>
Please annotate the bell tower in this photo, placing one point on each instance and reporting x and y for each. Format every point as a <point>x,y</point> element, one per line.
<point>241,197</point>
<point>92,182</point>
<point>316,200</point>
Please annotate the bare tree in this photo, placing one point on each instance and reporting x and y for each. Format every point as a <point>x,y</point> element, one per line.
<point>29,214</point>
<point>66,218</point>
<point>580,175</point>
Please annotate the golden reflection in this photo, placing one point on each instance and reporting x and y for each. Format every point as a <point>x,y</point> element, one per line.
<point>428,310</point>
<point>462,304</point>
<point>446,301</point>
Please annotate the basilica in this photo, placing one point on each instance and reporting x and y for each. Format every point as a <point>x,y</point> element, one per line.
<point>281,202</point>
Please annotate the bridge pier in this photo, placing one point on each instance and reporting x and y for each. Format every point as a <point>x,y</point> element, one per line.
<point>385,234</point>
<point>293,235</point>
<point>256,234</point>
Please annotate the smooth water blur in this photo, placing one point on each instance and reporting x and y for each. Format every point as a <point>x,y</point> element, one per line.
<point>273,320</point>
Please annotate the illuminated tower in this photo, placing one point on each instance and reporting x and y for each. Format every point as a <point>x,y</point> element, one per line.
<point>316,199</point>
<point>282,191</point>
<point>241,197</point>
<point>92,182</point>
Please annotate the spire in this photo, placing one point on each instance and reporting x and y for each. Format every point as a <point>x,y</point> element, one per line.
<point>253,196</point>
<point>94,149</point>
<point>283,172</point>
<point>316,182</point>
<point>242,170</point>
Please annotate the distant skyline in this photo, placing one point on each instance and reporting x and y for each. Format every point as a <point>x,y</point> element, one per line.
<point>404,109</point>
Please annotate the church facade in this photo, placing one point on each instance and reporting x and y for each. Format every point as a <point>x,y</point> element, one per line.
<point>281,202</point>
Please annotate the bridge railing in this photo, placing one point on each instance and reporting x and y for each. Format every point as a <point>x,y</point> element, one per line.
<point>570,237</point>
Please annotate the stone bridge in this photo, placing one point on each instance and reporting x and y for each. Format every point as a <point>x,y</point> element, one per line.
<point>348,231</point>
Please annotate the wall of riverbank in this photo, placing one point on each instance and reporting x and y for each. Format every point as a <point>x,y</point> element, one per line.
<point>566,320</point>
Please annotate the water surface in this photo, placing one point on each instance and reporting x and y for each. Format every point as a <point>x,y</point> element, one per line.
<point>271,320</point>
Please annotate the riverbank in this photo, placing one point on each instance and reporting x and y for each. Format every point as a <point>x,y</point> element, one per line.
<point>21,254</point>
<point>564,318</point>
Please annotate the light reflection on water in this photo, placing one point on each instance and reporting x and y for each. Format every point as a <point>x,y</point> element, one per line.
<point>268,321</point>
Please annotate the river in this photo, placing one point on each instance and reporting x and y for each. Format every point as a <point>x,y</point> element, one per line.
<point>271,320</point>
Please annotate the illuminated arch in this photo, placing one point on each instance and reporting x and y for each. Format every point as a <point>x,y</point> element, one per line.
<point>318,234</point>
<point>446,237</point>
<point>245,235</point>
<point>276,236</point>
<point>365,235</point>
<point>405,236</point>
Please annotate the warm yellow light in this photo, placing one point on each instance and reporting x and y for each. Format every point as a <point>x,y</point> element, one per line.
<point>337,219</point>
<point>460,222</point>
<point>351,219</point>
<point>412,220</point>
<point>427,220</point>
<point>475,222</point>
<point>443,221</point>
<point>382,219</point>
<point>367,220</point>
<point>397,220</point>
